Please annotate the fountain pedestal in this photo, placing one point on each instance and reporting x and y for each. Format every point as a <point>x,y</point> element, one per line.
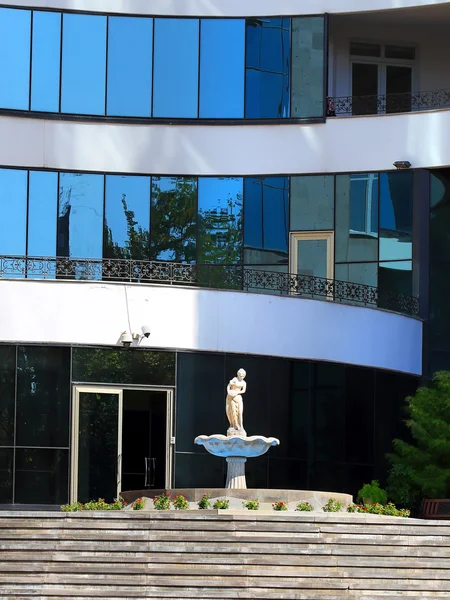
<point>236,449</point>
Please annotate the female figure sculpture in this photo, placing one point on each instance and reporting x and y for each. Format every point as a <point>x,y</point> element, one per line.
<point>235,405</point>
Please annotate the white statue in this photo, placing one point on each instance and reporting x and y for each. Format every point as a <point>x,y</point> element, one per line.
<point>235,405</point>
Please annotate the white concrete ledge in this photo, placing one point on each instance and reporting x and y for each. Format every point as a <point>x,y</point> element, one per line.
<point>226,8</point>
<point>96,313</point>
<point>341,145</point>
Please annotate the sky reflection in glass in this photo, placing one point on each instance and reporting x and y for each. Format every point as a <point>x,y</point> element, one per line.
<point>13,212</point>
<point>42,213</point>
<point>15,27</point>
<point>46,61</point>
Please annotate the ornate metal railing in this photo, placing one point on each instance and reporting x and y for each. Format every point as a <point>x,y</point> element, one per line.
<point>234,277</point>
<point>388,103</point>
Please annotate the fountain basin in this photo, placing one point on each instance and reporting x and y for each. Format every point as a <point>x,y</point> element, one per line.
<point>236,446</point>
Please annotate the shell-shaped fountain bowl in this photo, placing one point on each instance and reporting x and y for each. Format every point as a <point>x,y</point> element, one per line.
<point>235,445</point>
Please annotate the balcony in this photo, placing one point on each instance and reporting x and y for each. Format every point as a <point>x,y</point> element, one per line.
<point>221,277</point>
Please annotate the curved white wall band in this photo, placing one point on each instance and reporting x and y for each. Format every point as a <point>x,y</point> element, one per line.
<point>225,8</point>
<point>340,145</point>
<point>96,313</point>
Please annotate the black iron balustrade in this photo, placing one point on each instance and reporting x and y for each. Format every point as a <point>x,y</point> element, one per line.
<point>227,277</point>
<point>388,103</point>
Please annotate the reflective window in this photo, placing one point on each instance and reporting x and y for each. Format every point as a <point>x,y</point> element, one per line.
<point>41,476</point>
<point>84,64</point>
<point>15,26</point>
<point>364,273</point>
<point>440,214</point>
<point>308,67</point>
<point>175,87</point>
<point>266,220</point>
<point>42,213</point>
<point>80,220</point>
<point>127,218</point>
<point>395,278</point>
<point>220,220</point>
<point>13,211</point>
<point>222,52</point>
<point>312,203</point>
<point>396,192</point>
<point>43,396</point>
<point>130,41</point>
<point>357,217</point>
<point>174,218</point>
<point>46,61</point>
<point>6,475</point>
<point>267,68</point>
<point>7,396</point>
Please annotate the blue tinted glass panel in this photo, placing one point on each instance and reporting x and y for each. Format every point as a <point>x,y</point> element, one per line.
<point>220,220</point>
<point>175,92</point>
<point>127,219</point>
<point>130,41</point>
<point>80,221</point>
<point>174,219</point>
<point>266,221</point>
<point>46,61</point>
<point>15,39</point>
<point>13,212</point>
<point>396,191</point>
<point>84,64</point>
<point>42,213</point>
<point>268,68</point>
<point>222,51</point>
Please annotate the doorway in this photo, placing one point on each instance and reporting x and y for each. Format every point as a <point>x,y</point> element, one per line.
<point>371,80</point>
<point>121,440</point>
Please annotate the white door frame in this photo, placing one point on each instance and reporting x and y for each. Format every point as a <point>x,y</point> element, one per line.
<point>295,236</point>
<point>115,389</point>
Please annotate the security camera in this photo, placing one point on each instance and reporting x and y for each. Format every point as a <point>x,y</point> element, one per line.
<point>145,331</point>
<point>126,339</point>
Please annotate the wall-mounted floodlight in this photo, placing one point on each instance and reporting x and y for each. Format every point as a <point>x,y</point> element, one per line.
<point>402,164</point>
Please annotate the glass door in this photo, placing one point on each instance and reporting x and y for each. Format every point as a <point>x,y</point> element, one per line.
<point>312,257</point>
<point>96,443</point>
<point>398,88</point>
<point>365,88</point>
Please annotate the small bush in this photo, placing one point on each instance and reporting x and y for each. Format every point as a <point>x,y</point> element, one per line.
<point>251,504</point>
<point>373,492</point>
<point>99,504</point>
<point>304,506</point>
<point>73,507</point>
<point>221,504</point>
<point>388,509</point>
<point>332,505</point>
<point>138,504</point>
<point>180,503</point>
<point>162,502</point>
<point>204,502</point>
<point>280,505</point>
<point>352,508</point>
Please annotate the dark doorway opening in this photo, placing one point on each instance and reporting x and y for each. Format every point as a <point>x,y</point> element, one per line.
<point>144,439</point>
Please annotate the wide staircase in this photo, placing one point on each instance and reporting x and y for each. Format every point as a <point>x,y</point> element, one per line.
<point>203,554</point>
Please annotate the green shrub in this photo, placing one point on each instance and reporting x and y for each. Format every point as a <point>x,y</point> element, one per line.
<point>221,504</point>
<point>332,505</point>
<point>204,502</point>
<point>372,493</point>
<point>180,503</point>
<point>388,509</point>
<point>280,505</point>
<point>304,506</point>
<point>251,504</point>
<point>138,504</point>
<point>162,502</point>
<point>99,504</point>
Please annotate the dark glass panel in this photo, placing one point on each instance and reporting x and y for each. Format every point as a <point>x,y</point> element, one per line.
<point>308,67</point>
<point>199,470</point>
<point>257,473</point>
<point>201,393</point>
<point>127,218</point>
<point>396,191</point>
<point>359,411</point>
<point>440,214</point>
<point>439,306</point>
<point>312,203</point>
<point>41,476</point>
<point>400,52</point>
<point>364,273</point>
<point>175,83</point>
<point>220,220</point>
<point>6,475</point>
<point>46,61</point>
<point>43,396</point>
<point>222,57</point>
<point>13,211</point>
<point>266,220</point>
<point>7,396</point>
<point>84,64</point>
<point>365,79</point>
<point>174,219</point>
<point>104,365</point>
<point>15,30</point>
<point>394,278</point>
<point>365,49</point>
<point>42,213</point>
<point>300,410</point>
<point>80,221</point>
<point>267,68</point>
<point>357,217</point>
<point>130,41</point>
<point>439,361</point>
<point>287,474</point>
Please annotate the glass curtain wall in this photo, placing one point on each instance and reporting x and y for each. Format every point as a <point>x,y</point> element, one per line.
<point>162,68</point>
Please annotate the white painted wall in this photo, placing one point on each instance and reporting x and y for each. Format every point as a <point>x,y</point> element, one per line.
<point>226,7</point>
<point>431,68</point>
<point>96,313</point>
<point>354,144</point>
